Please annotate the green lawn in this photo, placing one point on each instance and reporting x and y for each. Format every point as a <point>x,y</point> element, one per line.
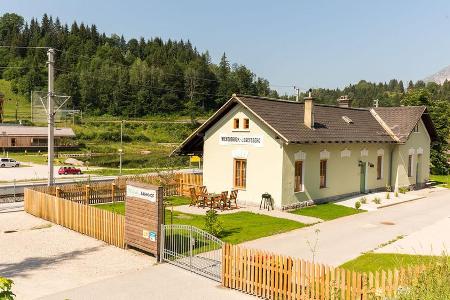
<point>371,262</point>
<point>238,227</point>
<point>442,180</point>
<point>328,211</point>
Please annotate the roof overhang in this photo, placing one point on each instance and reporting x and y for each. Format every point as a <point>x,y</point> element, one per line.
<point>193,144</point>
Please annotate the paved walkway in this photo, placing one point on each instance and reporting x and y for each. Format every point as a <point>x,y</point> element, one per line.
<point>346,238</point>
<point>431,240</point>
<point>273,213</point>
<point>44,258</point>
<point>159,282</point>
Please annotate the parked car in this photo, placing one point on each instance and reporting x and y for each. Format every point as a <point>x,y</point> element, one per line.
<point>9,163</point>
<point>69,170</point>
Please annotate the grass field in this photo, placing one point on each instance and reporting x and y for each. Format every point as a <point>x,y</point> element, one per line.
<point>442,180</point>
<point>328,211</point>
<point>371,262</point>
<point>9,107</point>
<point>238,227</point>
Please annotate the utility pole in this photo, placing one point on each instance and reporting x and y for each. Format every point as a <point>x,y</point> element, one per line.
<point>31,101</point>
<point>50,113</point>
<point>121,149</point>
<point>17,106</point>
<point>297,95</point>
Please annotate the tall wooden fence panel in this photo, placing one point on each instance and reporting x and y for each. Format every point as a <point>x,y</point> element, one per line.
<point>274,276</point>
<point>95,193</point>
<point>97,223</point>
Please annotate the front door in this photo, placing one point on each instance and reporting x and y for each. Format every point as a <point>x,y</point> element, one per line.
<point>362,184</point>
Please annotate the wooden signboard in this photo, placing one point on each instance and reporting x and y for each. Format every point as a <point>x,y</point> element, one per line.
<point>144,215</point>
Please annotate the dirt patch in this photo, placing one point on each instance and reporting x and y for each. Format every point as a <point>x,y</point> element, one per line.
<point>387,223</point>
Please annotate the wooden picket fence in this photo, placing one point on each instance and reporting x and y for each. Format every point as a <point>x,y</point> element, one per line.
<point>95,193</point>
<point>97,223</point>
<point>274,276</point>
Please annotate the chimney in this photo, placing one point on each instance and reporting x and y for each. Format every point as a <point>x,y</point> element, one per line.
<point>309,110</point>
<point>344,101</point>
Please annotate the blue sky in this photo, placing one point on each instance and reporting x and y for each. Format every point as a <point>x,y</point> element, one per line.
<point>307,43</point>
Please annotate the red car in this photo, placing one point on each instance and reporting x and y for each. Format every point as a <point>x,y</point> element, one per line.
<point>69,170</point>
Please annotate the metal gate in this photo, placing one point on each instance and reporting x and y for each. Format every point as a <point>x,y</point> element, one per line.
<point>193,249</point>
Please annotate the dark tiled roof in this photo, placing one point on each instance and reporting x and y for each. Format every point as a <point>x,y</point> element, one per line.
<point>287,118</point>
<point>401,120</point>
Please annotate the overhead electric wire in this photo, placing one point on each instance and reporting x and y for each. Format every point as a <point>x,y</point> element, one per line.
<point>141,85</point>
<point>164,72</point>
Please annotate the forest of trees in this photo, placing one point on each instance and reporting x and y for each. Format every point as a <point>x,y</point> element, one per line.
<point>134,78</point>
<point>109,75</point>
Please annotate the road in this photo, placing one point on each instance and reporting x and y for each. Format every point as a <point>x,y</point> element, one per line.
<point>346,238</point>
<point>159,282</point>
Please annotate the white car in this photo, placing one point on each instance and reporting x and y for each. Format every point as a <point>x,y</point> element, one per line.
<point>8,163</point>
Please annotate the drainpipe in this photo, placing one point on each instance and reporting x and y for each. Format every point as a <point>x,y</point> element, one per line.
<point>390,166</point>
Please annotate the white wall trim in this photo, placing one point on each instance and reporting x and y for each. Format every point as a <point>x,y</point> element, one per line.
<point>364,152</point>
<point>324,154</point>
<point>419,150</point>
<point>380,151</point>
<point>300,155</point>
<point>239,153</point>
<point>346,153</point>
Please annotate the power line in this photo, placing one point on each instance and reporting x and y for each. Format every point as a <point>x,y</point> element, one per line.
<point>140,85</point>
<point>164,72</point>
<point>24,47</point>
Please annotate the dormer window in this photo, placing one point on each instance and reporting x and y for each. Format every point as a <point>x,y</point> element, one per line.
<point>236,123</point>
<point>416,128</point>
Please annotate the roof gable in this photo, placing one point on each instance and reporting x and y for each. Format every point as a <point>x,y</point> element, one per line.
<point>402,120</point>
<point>332,124</point>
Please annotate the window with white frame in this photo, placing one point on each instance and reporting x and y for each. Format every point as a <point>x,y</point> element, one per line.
<point>298,176</point>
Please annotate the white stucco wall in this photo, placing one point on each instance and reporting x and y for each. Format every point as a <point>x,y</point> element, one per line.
<point>264,164</point>
<point>417,142</point>
<point>343,172</point>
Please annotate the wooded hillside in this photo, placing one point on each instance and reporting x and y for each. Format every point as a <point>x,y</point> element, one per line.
<point>109,75</point>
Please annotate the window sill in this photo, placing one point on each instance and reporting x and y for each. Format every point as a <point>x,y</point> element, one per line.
<point>323,187</point>
<point>241,130</point>
<point>298,192</point>
<point>239,189</point>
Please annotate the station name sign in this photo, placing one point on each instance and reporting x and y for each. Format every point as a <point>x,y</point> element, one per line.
<point>226,139</point>
<point>137,192</point>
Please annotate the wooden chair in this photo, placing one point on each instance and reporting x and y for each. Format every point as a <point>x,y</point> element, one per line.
<point>233,197</point>
<point>223,200</point>
<point>203,191</point>
<point>194,197</point>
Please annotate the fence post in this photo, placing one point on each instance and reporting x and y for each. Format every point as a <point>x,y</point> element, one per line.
<point>162,238</point>
<point>87,193</point>
<point>58,192</point>
<point>113,192</point>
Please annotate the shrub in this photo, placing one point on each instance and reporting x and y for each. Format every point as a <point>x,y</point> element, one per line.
<point>5,289</point>
<point>376,200</point>
<point>363,200</point>
<point>212,223</point>
<point>396,194</point>
<point>388,188</point>
<point>357,205</point>
<point>403,189</point>
<point>432,283</point>
<point>388,195</point>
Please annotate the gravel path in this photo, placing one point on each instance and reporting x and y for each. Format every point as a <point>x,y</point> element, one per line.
<point>43,258</point>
